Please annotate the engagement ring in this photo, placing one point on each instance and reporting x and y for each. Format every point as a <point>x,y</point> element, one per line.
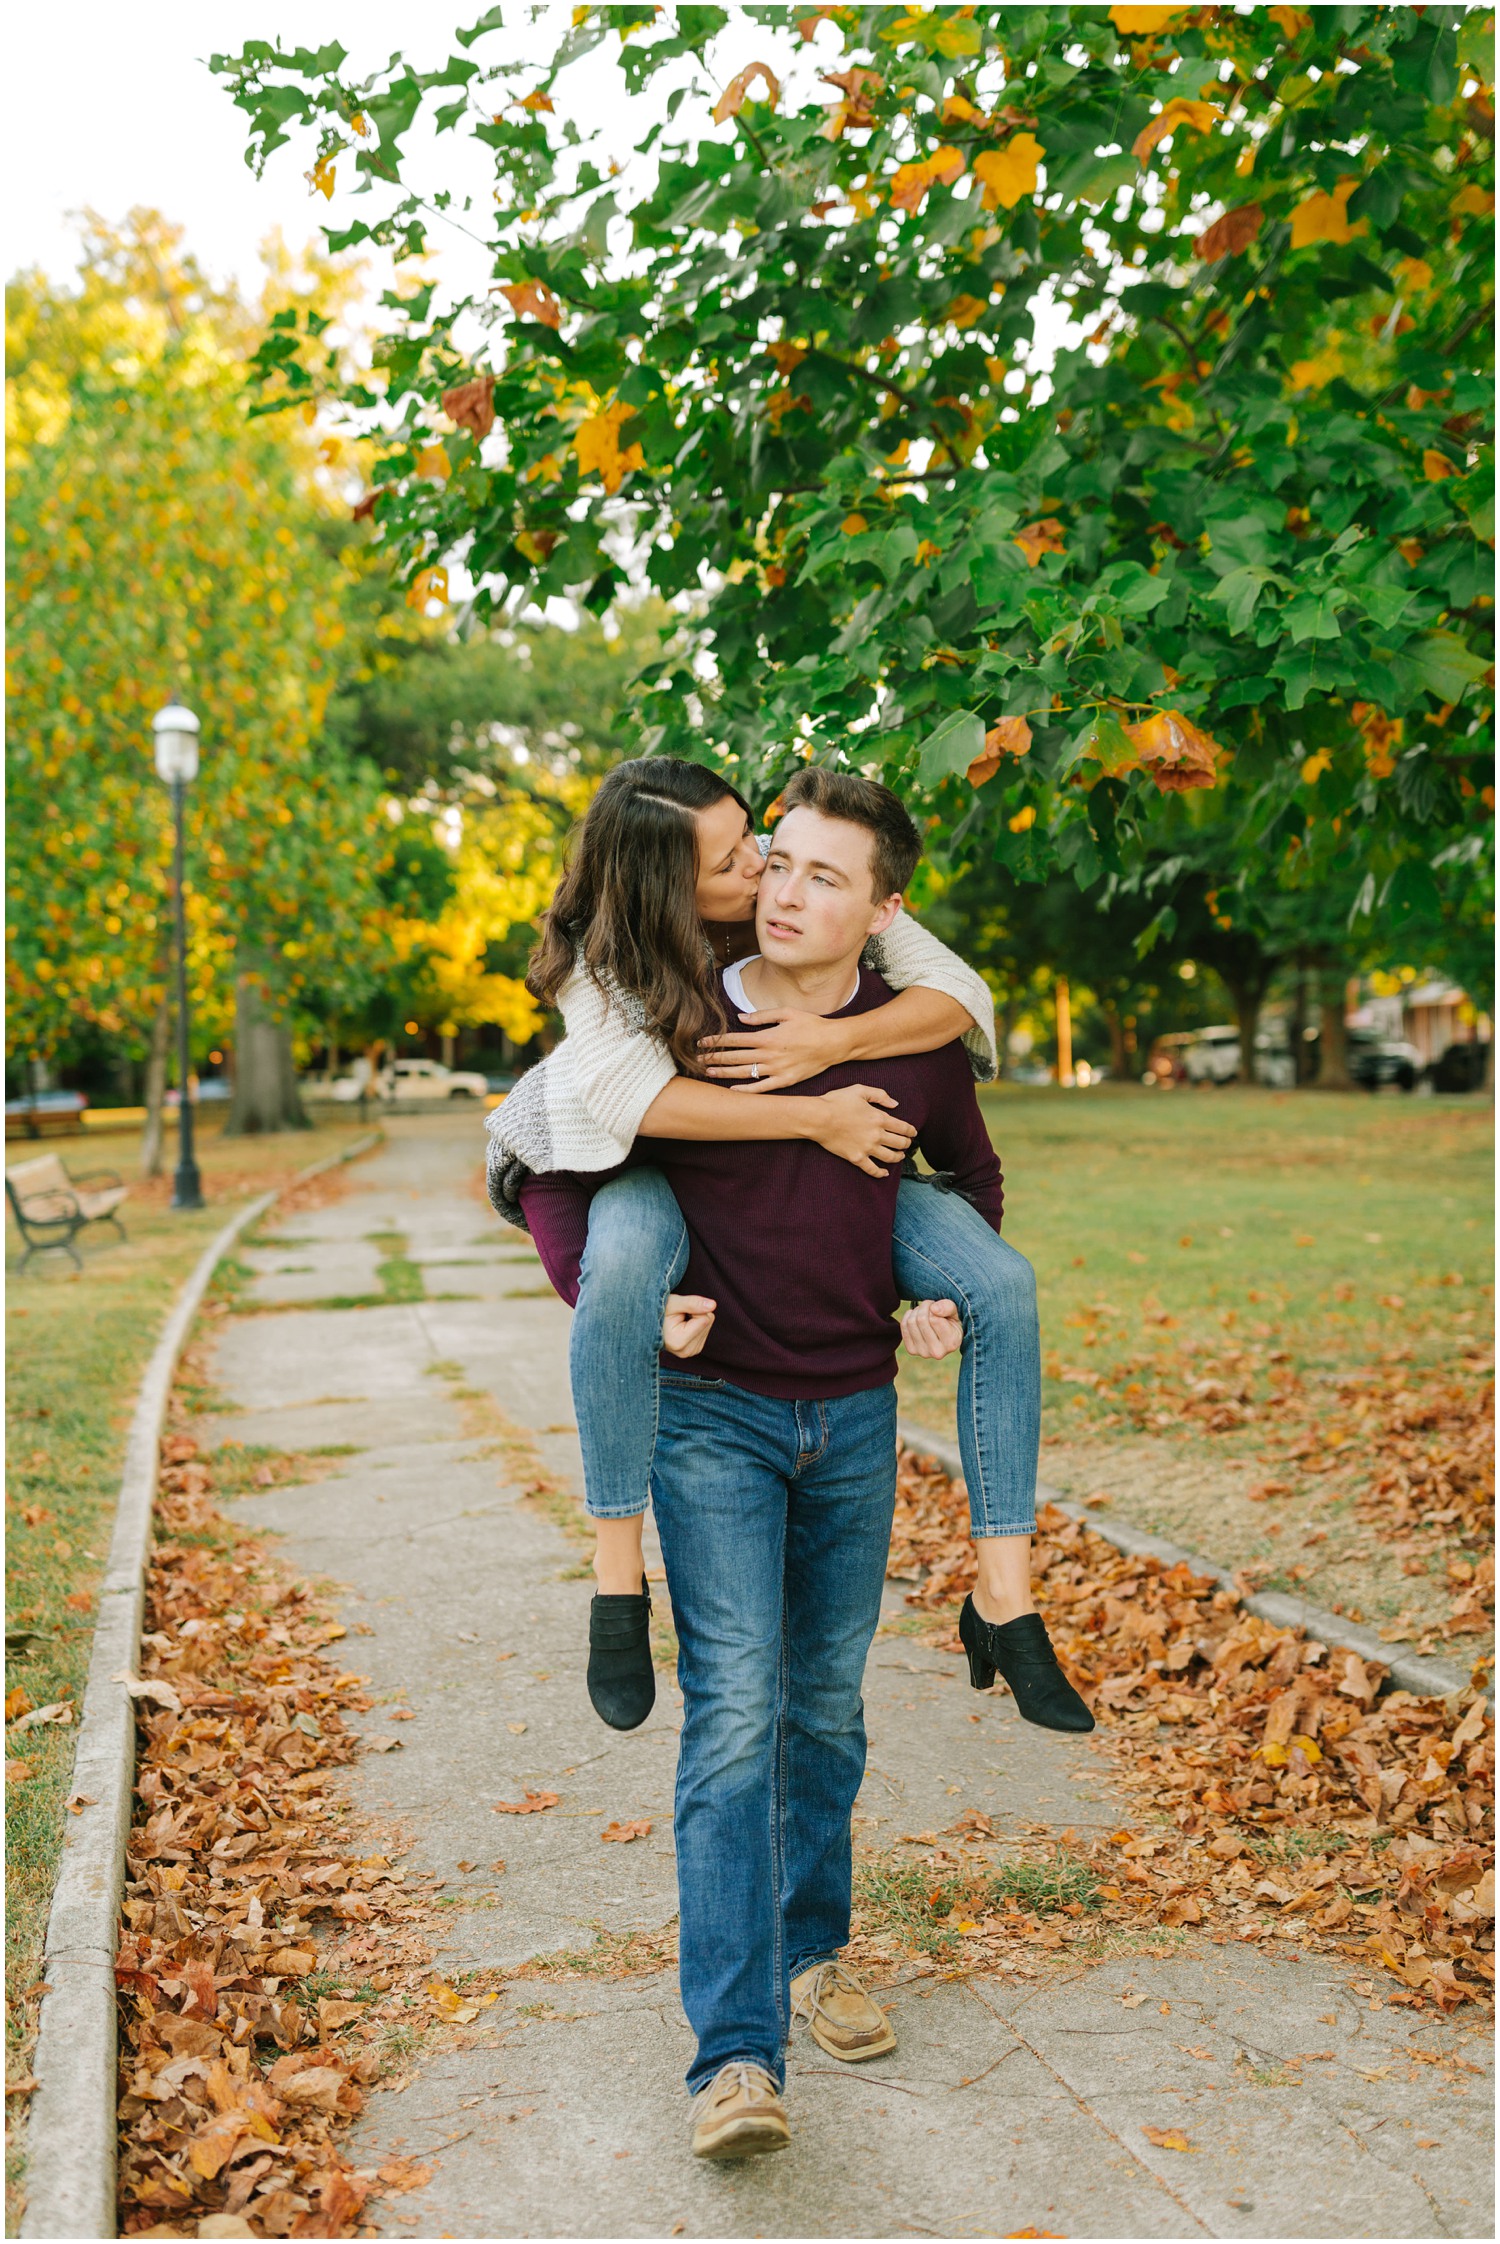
<point>754,1072</point>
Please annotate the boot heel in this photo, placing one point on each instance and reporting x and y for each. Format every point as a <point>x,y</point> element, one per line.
<point>981,1671</point>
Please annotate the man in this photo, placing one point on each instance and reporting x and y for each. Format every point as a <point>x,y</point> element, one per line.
<point>775,1479</point>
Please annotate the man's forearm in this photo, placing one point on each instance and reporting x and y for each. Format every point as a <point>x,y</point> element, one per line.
<point>710,1111</point>
<point>916,1020</point>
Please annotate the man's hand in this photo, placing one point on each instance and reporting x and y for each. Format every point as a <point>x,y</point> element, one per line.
<point>688,1321</point>
<point>784,1047</point>
<point>932,1328</point>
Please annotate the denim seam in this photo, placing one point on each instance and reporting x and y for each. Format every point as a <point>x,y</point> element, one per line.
<point>778,1831</point>
<point>972,1324</point>
<point>655,1372</point>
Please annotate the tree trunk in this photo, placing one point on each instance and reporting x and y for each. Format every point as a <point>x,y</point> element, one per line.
<point>156,1090</point>
<point>333,1052</point>
<point>1118,1059</point>
<point>1064,1022</point>
<point>265,1080</point>
<point>1246,999</point>
<point>1333,1041</point>
<point>449,1046</point>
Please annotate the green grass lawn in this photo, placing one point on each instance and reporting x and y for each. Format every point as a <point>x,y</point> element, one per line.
<point>1230,1234</point>
<point>76,1347</point>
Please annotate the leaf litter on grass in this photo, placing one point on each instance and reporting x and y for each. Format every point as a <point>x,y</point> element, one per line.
<point>1286,1792</point>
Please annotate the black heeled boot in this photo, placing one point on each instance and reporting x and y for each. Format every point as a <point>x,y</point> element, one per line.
<point>622,1680</point>
<point>1022,1652</point>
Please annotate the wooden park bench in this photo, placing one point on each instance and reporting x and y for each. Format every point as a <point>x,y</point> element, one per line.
<point>51,1208</point>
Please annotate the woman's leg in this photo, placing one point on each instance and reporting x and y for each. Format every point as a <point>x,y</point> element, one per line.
<point>637,1250</point>
<point>944,1249</point>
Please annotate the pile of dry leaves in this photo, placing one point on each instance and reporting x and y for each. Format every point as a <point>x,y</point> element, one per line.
<point>1286,1792</point>
<point>234,2076</point>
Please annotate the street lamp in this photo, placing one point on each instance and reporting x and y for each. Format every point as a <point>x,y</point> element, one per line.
<point>176,734</point>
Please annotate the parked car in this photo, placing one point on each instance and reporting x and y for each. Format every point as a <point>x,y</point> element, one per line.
<point>1376,1060</point>
<point>1213,1056</point>
<point>429,1079</point>
<point>1460,1068</point>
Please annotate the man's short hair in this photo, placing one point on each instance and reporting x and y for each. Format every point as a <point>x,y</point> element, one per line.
<point>896,844</point>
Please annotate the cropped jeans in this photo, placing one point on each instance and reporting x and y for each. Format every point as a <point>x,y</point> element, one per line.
<point>942,1249</point>
<point>775,1521</point>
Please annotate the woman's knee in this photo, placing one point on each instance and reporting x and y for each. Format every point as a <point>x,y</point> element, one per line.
<point>636,1234</point>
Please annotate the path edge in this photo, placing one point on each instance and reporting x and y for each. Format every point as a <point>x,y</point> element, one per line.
<point>1409,1671</point>
<point>71,2129</point>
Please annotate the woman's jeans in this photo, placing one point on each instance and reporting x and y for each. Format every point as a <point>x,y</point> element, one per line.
<point>775,1522</point>
<point>942,1250</point>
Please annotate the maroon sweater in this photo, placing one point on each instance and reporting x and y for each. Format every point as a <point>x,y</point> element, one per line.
<point>792,1242</point>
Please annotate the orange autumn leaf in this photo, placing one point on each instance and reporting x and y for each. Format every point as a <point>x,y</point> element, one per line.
<point>853,525</point>
<point>1008,173</point>
<point>1177,755</point>
<point>1010,737</point>
<point>1230,235</point>
<point>1037,538</point>
<point>911,183</point>
<point>859,88</point>
<point>533,300</point>
<point>597,444</point>
<point>1382,736</point>
<point>787,356</point>
<point>1142,20</point>
<point>1436,465</point>
<point>434,463</point>
<point>472,404</point>
<point>534,1803</point>
<point>538,101</point>
<point>428,584</point>
<point>1200,115</point>
<point>1167,2138</point>
<point>966,311</point>
<point>625,1832</point>
<point>1325,218</point>
<point>1024,819</point>
<point>732,100</point>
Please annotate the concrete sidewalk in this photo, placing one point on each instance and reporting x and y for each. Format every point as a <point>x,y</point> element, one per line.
<point>1015,2101</point>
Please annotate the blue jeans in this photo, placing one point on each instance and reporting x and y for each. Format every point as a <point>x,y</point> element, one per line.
<point>775,1521</point>
<point>942,1249</point>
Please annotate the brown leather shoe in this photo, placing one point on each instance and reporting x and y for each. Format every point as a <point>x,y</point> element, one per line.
<point>841,2013</point>
<point>739,2114</point>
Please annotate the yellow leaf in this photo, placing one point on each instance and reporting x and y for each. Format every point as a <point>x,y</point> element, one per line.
<point>1435,465</point>
<point>1179,756</point>
<point>1008,173</point>
<point>911,182</point>
<point>1325,218</point>
<point>1167,2138</point>
<point>957,111</point>
<point>1291,22</point>
<point>1415,272</point>
<point>1314,767</point>
<point>428,584</point>
<point>1037,538</point>
<point>1244,162</point>
<point>1316,373</point>
<point>538,101</point>
<point>533,300</point>
<point>1023,820</point>
<point>926,552</point>
<point>321,174</point>
<point>1010,737</point>
<point>1136,20</point>
<point>1201,115</point>
<point>732,100</point>
<point>597,444</point>
<point>787,356</point>
<point>967,311</point>
<point>1472,202</point>
<point>433,462</point>
<point>853,524</point>
<point>1308,1747</point>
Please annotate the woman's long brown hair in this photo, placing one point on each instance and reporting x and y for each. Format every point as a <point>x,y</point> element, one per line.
<point>624,908</point>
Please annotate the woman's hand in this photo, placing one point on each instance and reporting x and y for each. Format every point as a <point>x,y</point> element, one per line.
<point>785,1047</point>
<point>932,1328</point>
<point>857,1125</point>
<point>687,1323</point>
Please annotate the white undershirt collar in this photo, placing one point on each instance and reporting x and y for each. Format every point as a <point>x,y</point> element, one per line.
<point>734,987</point>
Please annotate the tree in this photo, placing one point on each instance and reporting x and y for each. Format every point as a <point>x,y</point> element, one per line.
<point>165,546</point>
<point>793,360</point>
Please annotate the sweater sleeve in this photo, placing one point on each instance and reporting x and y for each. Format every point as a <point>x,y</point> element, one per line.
<point>557,1216</point>
<point>956,1143</point>
<point>619,1064</point>
<point>908,955</point>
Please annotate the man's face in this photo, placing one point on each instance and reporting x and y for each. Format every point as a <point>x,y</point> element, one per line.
<point>816,904</point>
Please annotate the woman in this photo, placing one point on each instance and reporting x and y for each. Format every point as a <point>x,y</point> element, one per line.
<point>660,895</point>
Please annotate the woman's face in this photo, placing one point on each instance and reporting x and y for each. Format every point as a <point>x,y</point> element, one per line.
<point>729,862</point>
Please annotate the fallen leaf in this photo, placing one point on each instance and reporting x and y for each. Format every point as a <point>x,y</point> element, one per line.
<point>533,1804</point>
<point>78,1801</point>
<point>381,1744</point>
<point>1133,2000</point>
<point>625,1832</point>
<point>17,1771</point>
<point>404,2174</point>
<point>516,1729</point>
<point>332,2014</point>
<point>22,2087</point>
<point>162,1693</point>
<point>60,1712</point>
<point>1167,2138</point>
<point>291,1963</point>
<point>16,1703</point>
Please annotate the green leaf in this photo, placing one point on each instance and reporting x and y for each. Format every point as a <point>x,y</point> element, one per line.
<point>1239,592</point>
<point>951,746</point>
<point>1445,667</point>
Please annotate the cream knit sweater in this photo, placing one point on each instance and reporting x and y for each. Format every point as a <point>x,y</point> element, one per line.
<point>582,1106</point>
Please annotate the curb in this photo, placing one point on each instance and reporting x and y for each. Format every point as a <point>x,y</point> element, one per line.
<point>1409,1671</point>
<point>71,2130</point>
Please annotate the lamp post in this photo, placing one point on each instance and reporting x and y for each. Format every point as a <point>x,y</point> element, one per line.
<point>176,734</point>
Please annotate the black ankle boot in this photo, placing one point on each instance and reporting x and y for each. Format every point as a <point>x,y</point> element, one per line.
<point>1022,1651</point>
<point>622,1680</point>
